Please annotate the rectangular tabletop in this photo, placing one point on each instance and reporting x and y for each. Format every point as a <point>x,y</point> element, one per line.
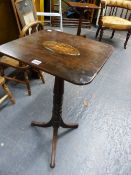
<point>82,5</point>
<point>78,69</point>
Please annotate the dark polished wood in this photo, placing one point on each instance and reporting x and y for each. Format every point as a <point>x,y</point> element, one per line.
<point>56,120</point>
<point>82,7</point>
<point>80,69</point>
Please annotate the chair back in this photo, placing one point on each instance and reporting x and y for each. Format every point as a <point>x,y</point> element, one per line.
<point>25,12</point>
<point>120,8</point>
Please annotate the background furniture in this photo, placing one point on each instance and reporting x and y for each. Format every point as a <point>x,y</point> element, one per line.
<point>19,67</point>
<point>82,7</point>
<point>70,60</point>
<point>25,12</point>
<point>117,16</point>
<point>71,14</point>
<point>8,94</point>
<point>28,23</point>
<point>53,13</point>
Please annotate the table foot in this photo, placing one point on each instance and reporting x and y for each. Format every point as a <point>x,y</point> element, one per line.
<point>83,36</point>
<point>64,125</point>
<point>41,124</point>
<point>54,143</point>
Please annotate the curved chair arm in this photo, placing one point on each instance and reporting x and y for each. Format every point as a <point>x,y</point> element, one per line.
<point>8,61</point>
<point>31,28</point>
<point>118,3</point>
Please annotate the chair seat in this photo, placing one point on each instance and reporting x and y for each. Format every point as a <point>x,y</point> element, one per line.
<point>114,22</point>
<point>2,80</point>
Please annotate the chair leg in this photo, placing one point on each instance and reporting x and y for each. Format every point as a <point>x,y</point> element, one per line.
<point>8,92</point>
<point>2,71</point>
<point>27,82</point>
<point>101,34</point>
<point>127,38</point>
<point>97,32</point>
<point>112,34</point>
<point>41,76</point>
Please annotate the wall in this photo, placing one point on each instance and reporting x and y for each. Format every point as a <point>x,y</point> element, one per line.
<point>8,25</point>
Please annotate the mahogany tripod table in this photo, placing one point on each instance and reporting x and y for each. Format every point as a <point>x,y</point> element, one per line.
<point>67,57</point>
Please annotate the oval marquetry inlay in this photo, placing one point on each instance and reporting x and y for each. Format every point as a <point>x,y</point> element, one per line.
<point>61,48</point>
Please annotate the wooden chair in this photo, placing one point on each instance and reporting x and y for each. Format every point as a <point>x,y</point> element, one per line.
<point>27,23</point>
<point>25,12</point>
<point>115,15</point>
<point>8,94</point>
<point>17,66</point>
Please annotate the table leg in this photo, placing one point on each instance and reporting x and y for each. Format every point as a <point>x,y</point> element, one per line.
<point>56,120</point>
<point>80,23</point>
